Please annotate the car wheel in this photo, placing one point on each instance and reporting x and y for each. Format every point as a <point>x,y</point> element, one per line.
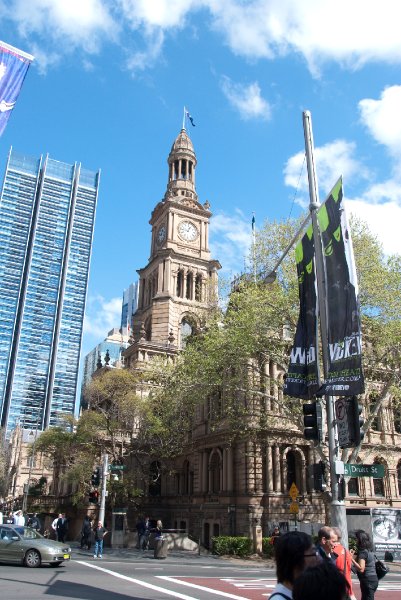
<point>32,559</point>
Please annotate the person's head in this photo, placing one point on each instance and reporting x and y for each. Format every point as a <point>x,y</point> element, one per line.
<point>322,579</point>
<point>276,530</point>
<point>100,524</point>
<point>159,523</point>
<point>327,539</point>
<point>363,540</point>
<point>293,552</point>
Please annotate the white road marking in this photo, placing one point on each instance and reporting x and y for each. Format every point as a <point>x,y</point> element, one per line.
<point>137,581</point>
<point>203,588</point>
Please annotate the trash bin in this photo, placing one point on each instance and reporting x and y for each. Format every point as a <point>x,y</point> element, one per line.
<point>161,547</point>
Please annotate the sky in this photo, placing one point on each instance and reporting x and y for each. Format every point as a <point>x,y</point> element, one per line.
<point>111,78</point>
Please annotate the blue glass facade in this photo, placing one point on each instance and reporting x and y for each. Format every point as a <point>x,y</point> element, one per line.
<point>47,211</point>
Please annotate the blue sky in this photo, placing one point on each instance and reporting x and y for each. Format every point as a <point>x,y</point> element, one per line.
<point>111,78</point>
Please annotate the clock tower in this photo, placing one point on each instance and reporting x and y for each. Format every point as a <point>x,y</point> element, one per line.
<point>179,283</point>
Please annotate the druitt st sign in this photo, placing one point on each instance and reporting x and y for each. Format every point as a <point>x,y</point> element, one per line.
<point>376,471</point>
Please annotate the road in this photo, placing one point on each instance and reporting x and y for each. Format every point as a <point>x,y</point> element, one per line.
<point>140,577</point>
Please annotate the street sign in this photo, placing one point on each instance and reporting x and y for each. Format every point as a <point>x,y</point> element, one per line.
<point>342,422</point>
<point>293,492</point>
<point>376,471</point>
<point>294,508</point>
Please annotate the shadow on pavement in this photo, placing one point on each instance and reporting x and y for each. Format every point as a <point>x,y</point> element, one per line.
<point>65,589</point>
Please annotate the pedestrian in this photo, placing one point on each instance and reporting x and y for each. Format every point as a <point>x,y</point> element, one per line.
<point>54,524</point>
<point>86,533</point>
<point>19,518</point>
<point>34,522</point>
<point>9,519</point>
<point>159,529</point>
<point>61,528</point>
<point>344,561</point>
<point>294,551</point>
<point>144,539</point>
<point>275,534</point>
<point>323,580</point>
<point>100,532</point>
<point>365,565</point>
<point>325,546</point>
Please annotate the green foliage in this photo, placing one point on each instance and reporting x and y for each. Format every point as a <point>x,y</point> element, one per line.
<point>267,547</point>
<point>236,546</point>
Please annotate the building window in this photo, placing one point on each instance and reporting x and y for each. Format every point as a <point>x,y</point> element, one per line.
<point>180,284</point>
<point>397,417</point>
<point>291,469</point>
<point>186,332</point>
<point>214,467</point>
<point>31,462</point>
<point>378,484</point>
<point>399,477</point>
<point>155,479</point>
<point>190,281</point>
<point>353,487</point>
<point>198,288</point>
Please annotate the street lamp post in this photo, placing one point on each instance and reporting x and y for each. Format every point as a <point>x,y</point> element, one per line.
<point>103,490</point>
<point>338,513</point>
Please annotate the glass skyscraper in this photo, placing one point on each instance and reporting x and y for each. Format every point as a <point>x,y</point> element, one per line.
<point>47,212</point>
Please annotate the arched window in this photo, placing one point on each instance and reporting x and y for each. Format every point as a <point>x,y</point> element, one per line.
<point>198,288</point>
<point>186,331</point>
<point>180,283</point>
<point>148,329</point>
<point>214,467</point>
<point>190,282</point>
<point>291,469</point>
<point>378,484</point>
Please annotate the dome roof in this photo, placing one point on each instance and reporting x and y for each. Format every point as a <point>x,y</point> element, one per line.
<point>182,143</point>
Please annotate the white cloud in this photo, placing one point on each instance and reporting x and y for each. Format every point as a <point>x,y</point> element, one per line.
<point>351,33</point>
<point>246,99</point>
<point>332,160</point>
<point>383,220</point>
<point>382,118</point>
<point>231,238</point>
<point>101,316</point>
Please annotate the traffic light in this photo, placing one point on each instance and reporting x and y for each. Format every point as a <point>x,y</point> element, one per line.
<point>355,421</point>
<point>95,480</point>
<point>93,497</point>
<point>317,476</point>
<point>312,421</point>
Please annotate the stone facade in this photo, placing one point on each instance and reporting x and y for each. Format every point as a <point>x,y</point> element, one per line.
<point>220,488</point>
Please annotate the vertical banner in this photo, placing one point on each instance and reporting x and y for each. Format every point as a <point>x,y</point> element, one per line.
<point>345,376</point>
<point>14,65</point>
<point>302,377</point>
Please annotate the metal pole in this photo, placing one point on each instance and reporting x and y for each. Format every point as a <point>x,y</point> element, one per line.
<point>104,484</point>
<point>338,513</point>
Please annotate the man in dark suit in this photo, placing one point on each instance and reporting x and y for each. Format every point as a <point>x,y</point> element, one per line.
<point>61,528</point>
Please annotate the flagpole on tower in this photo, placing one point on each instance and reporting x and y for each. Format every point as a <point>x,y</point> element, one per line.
<point>183,118</point>
<point>254,247</point>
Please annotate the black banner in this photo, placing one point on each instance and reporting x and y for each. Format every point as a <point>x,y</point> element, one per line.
<point>345,377</point>
<point>302,377</point>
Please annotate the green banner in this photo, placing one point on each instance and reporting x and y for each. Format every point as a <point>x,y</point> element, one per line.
<point>376,471</point>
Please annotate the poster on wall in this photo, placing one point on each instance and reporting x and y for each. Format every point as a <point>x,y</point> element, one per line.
<point>386,529</point>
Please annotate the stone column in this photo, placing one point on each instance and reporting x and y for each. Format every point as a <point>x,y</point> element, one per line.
<point>230,469</point>
<point>277,470</point>
<point>269,469</point>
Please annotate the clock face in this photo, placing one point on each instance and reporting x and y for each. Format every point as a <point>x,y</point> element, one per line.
<point>161,234</point>
<point>187,231</point>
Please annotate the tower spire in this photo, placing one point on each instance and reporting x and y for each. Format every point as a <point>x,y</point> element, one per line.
<point>181,172</point>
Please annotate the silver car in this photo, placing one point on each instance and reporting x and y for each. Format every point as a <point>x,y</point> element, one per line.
<point>26,546</point>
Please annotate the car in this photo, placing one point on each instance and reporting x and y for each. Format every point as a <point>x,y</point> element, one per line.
<point>26,546</point>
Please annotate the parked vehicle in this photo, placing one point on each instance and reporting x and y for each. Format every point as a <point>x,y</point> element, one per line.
<point>28,547</point>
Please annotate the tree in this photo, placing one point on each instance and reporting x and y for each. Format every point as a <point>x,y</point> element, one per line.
<point>225,362</point>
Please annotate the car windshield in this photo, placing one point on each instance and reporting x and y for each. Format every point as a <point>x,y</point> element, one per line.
<point>27,533</point>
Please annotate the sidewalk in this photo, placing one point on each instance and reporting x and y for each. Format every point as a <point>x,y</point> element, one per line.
<point>189,555</point>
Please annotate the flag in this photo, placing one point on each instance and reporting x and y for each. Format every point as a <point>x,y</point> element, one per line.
<point>14,65</point>
<point>253,223</point>
<point>190,118</point>
<point>345,376</point>
<point>301,380</point>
